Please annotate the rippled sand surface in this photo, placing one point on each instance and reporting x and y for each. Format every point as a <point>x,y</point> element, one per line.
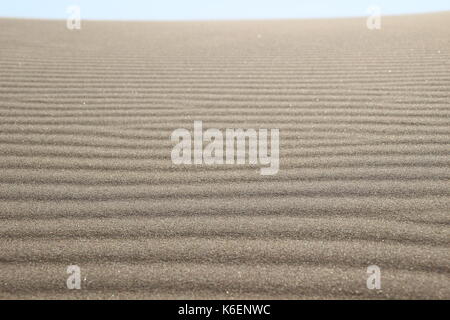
<point>86,176</point>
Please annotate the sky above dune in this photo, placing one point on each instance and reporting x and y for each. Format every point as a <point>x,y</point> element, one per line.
<point>213,9</point>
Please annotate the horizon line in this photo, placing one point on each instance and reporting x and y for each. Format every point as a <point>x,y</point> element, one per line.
<point>226,19</point>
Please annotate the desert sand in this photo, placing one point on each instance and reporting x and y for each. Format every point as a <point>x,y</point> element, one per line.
<point>86,176</point>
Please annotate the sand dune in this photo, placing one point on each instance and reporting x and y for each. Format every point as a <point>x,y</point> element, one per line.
<point>87,179</point>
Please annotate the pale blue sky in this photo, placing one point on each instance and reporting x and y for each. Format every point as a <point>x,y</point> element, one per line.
<point>213,9</point>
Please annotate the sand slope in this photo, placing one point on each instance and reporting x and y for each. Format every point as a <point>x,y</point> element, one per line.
<point>86,176</point>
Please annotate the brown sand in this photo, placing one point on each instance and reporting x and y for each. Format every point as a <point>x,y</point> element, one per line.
<point>86,176</point>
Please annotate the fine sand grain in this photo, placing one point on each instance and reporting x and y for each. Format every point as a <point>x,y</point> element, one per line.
<point>87,179</point>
